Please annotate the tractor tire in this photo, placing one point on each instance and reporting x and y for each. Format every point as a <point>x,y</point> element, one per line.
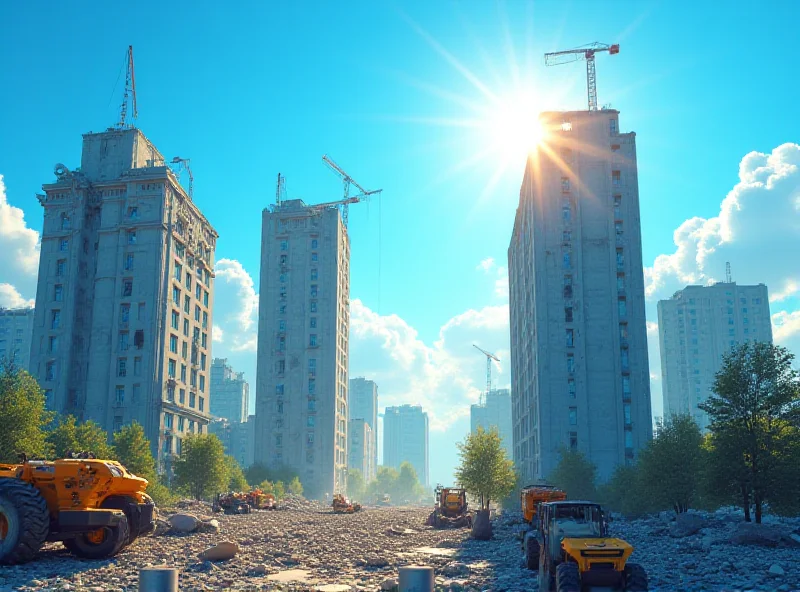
<point>115,539</point>
<point>24,521</point>
<point>121,503</point>
<point>635,578</point>
<point>531,552</point>
<point>568,578</point>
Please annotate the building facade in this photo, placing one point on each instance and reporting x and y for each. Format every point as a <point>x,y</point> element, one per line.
<point>363,404</point>
<point>122,328</point>
<point>495,412</point>
<point>696,327</point>
<point>230,392</point>
<point>361,448</point>
<point>303,345</point>
<point>405,438</point>
<point>16,330</point>
<point>578,334</point>
<point>237,438</point>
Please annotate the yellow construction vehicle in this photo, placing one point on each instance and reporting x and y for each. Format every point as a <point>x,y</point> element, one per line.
<point>259,500</point>
<point>231,503</point>
<point>452,510</point>
<point>530,498</point>
<point>342,505</point>
<point>576,553</point>
<point>95,507</point>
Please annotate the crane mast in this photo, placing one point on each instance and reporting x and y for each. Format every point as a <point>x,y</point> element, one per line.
<point>130,92</point>
<point>184,163</point>
<point>489,358</point>
<point>347,199</point>
<point>587,53</point>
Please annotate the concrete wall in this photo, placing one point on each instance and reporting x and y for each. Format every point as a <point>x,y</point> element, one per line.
<point>230,392</point>
<point>495,412</point>
<point>16,331</point>
<point>363,404</point>
<point>360,448</point>
<point>405,438</point>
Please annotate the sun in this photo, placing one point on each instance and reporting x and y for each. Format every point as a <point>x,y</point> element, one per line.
<point>514,128</point>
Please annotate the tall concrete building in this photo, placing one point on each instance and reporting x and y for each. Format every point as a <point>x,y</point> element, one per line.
<point>495,412</point>
<point>696,327</point>
<point>230,392</point>
<point>16,330</point>
<point>122,328</point>
<point>303,336</point>
<point>363,404</point>
<point>237,438</point>
<point>361,448</point>
<point>405,438</point>
<point>578,336</point>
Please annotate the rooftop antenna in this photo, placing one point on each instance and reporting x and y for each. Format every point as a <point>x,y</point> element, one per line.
<point>130,93</point>
<point>728,272</point>
<point>281,188</point>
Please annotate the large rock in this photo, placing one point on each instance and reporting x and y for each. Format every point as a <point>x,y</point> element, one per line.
<point>455,569</point>
<point>220,552</point>
<point>482,526</point>
<point>687,524</point>
<point>211,526</point>
<point>183,523</point>
<point>765,535</point>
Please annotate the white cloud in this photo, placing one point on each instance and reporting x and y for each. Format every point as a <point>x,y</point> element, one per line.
<point>652,328</point>
<point>19,246</point>
<point>217,334</point>
<point>501,283</point>
<point>235,307</point>
<point>11,298</point>
<point>790,289</point>
<point>486,265</point>
<point>786,327</point>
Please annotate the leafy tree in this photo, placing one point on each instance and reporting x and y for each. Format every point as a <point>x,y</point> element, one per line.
<point>279,490</point>
<point>407,485</point>
<point>485,472</point>
<point>355,484</point>
<point>576,475</point>
<point>22,415</point>
<point>256,474</point>
<point>295,487</point>
<point>267,486</point>
<point>68,435</point>
<point>202,469</point>
<point>236,479</point>
<point>624,492</point>
<point>754,409</point>
<point>726,478</point>
<point>133,450</point>
<point>671,465</point>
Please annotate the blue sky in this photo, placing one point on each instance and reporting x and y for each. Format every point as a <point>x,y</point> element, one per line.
<point>403,96</point>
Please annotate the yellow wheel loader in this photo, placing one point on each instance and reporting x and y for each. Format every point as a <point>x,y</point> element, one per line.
<point>577,555</point>
<point>95,507</point>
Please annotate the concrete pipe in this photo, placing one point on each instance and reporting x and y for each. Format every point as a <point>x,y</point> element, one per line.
<point>158,579</point>
<point>416,578</point>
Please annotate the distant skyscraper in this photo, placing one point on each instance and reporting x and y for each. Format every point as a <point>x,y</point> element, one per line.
<point>237,438</point>
<point>495,412</point>
<point>230,392</point>
<point>696,327</point>
<point>363,404</point>
<point>579,367</point>
<point>303,325</point>
<point>405,438</point>
<point>16,330</point>
<point>360,448</point>
<point>122,328</point>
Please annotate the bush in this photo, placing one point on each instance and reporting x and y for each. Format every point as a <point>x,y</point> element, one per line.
<point>576,475</point>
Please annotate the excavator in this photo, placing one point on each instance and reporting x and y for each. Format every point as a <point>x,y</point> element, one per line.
<point>95,507</point>
<point>452,510</point>
<point>530,498</point>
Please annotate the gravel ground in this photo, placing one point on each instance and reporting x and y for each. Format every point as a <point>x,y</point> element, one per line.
<point>307,547</point>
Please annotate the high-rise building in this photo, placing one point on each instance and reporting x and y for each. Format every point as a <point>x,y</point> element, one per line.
<point>303,330</point>
<point>696,327</point>
<point>361,448</point>
<point>230,392</point>
<point>495,412</point>
<point>579,367</point>
<point>363,404</point>
<point>16,330</point>
<point>122,328</point>
<point>237,438</point>
<point>405,438</point>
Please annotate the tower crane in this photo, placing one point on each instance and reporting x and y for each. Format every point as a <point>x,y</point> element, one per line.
<point>347,181</point>
<point>130,92</point>
<point>489,358</point>
<point>184,162</point>
<point>586,52</point>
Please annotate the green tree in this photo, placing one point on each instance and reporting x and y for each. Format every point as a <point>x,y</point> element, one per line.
<point>576,475</point>
<point>485,472</point>
<point>201,469</point>
<point>355,484</point>
<point>754,409</point>
<point>133,450</point>
<point>267,486</point>
<point>295,487</point>
<point>279,490</point>
<point>256,473</point>
<point>671,465</point>
<point>624,493</point>
<point>407,485</point>
<point>236,478</point>
<point>68,435</point>
<point>23,417</point>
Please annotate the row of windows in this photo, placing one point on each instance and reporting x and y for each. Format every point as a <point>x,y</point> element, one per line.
<point>172,367</point>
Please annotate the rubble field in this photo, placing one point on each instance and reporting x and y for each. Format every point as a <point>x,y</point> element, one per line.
<point>304,546</point>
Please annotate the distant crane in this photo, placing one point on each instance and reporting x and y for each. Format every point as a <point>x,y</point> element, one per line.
<point>184,163</point>
<point>489,358</point>
<point>347,180</point>
<point>586,52</point>
<point>130,92</point>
